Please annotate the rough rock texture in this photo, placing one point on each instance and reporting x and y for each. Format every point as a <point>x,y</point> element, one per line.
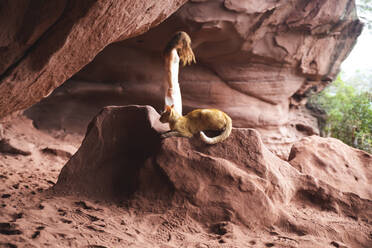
<point>134,139</point>
<point>343,167</point>
<point>43,43</point>
<point>238,181</point>
<point>257,62</point>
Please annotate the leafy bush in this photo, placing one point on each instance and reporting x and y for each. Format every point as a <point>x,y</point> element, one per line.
<point>348,113</point>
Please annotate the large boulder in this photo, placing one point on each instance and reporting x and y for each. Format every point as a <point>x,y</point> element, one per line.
<point>118,142</point>
<point>330,160</point>
<point>123,159</point>
<point>44,43</point>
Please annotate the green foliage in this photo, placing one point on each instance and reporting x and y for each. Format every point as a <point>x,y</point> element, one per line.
<point>348,113</point>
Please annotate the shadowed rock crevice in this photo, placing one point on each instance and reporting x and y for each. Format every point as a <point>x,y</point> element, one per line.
<point>27,23</point>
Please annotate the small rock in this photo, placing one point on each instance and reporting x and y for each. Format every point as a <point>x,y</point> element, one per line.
<point>7,148</point>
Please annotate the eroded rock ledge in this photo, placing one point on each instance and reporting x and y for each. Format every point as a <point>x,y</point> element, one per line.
<point>43,43</point>
<point>239,180</point>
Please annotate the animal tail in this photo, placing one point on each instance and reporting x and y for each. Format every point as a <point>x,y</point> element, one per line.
<point>224,135</point>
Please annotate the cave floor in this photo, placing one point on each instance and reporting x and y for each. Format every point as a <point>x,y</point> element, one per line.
<point>31,215</point>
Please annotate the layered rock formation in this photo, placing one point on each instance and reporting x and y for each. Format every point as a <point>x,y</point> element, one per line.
<point>238,181</point>
<point>43,43</point>
<point>257,62</point>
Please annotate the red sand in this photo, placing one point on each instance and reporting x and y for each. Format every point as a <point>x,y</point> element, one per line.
<point>32,215</point>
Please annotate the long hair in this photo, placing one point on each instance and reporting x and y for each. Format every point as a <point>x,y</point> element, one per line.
<point>182,41</point>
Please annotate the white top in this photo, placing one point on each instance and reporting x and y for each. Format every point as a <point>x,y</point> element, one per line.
<point>175,98</point>
<point>175,60</point>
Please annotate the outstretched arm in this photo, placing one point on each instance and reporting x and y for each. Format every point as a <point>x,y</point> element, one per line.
<point>168,70</point>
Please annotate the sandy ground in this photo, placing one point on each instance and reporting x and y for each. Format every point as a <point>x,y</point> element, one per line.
<point>31,215</point>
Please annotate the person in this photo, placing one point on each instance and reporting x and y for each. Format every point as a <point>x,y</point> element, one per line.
<point>177,50</point>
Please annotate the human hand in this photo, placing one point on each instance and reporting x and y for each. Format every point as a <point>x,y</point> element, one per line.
<point>170,92</point>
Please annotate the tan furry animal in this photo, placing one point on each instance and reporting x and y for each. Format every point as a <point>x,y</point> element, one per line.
<point>197,121</point>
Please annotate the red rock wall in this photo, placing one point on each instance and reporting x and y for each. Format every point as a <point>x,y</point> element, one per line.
<point>255,61</point>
